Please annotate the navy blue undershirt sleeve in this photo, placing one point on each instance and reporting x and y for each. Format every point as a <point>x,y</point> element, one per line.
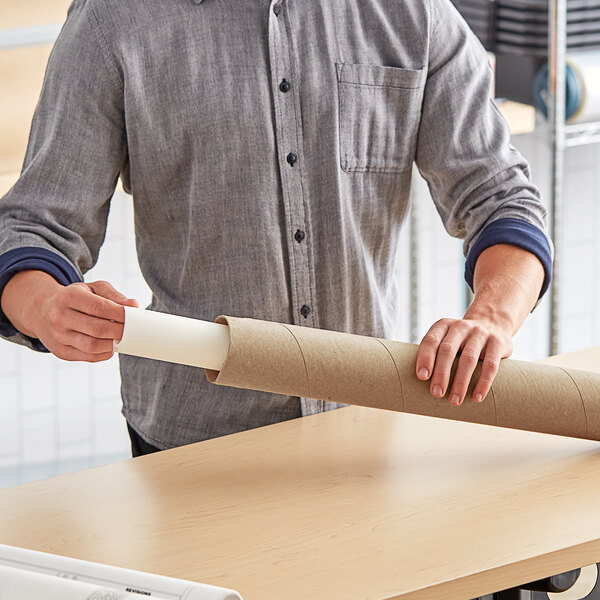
<point>27,259</point>
<point>514,232</point>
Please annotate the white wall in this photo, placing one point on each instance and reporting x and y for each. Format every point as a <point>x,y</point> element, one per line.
<point>57,416</point>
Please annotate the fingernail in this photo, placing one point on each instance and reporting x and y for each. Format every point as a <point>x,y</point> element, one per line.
<point>478,397</point>
<point>454,398</point>
<point>423,373</point>
<point>437,390</point>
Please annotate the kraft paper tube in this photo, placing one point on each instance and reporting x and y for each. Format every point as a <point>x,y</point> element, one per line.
<point>18,584</point>
<point>366,371</point>
<point>352,369</point>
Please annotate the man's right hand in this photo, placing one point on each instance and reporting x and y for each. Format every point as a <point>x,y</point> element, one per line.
<point>75,322</point>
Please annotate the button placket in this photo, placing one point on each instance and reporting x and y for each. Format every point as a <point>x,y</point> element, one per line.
<point>289,145</point>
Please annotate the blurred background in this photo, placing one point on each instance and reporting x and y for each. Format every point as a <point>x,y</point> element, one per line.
<point>57,417</point>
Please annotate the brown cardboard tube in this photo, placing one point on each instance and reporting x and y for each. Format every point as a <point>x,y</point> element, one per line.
<point>366,371</point>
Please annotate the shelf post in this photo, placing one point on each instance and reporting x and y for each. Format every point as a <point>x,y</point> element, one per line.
<point>557,45</point>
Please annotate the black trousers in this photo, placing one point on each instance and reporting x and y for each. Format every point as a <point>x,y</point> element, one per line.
<point>139,446</point>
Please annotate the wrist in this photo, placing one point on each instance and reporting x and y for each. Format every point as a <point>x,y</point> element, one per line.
<point>496,316</point>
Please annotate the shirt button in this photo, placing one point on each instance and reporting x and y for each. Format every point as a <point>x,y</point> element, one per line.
<point>276,9</point>
<point>291,158</point>
<point>304,311</point>
<point>299,235</point>
<point>284,86</point>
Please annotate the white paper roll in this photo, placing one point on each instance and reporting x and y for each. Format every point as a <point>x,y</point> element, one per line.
<point>17,584</point>
<point>586,66</point>
<point>31,575</point>
<point>174,339</point>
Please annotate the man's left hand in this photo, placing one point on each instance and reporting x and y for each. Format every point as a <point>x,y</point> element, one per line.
<point>507,284</point>
<point>474,339</point>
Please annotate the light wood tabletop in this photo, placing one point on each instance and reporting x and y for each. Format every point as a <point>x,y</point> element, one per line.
<point>352,504</point>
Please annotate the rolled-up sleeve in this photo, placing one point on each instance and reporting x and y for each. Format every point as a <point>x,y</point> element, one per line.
<point>475,175</point>
<point>54,217</point>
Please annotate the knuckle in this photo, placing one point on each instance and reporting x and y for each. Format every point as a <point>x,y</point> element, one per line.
<point>460,325</point>
<point>97,308</point>
<point>431,338</point>
<point>95,346</point>
<point>446,348</point>
<point>70,294</point>
<point>63,298</point>
<point>492,363</point>
<point>478,329</point>
<point>469,356</point>
<point>96,329</point>
<point>55,317</point>
<point>75,289</point>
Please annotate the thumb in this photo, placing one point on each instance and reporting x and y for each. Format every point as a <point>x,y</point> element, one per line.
<point>106,290</point>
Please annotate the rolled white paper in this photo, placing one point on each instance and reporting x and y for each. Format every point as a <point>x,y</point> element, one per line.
<point>17,584</point>
<point>31,575</point>
<point>175,339</point>
<point>587,68</point>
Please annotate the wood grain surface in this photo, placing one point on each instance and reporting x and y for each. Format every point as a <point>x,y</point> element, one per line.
<point>16,13</point>
<point>353,504</point>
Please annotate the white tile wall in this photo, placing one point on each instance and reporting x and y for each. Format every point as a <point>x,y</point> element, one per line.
<point>57,416</point>
<point>40,436</point>
<point>75,395</point>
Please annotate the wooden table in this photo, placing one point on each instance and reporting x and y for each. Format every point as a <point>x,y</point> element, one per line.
<point>352,504</point>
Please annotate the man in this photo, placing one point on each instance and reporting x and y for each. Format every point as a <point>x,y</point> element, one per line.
<point>268,146</point>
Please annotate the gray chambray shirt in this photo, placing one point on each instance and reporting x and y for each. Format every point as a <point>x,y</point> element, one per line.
<point>268,148</point>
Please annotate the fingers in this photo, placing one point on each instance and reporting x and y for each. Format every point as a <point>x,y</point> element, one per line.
<point>471,339</point>
<point>80,297</point>
<point>71,353</point>
<point>446,354</point>
<point>92,326</point>
<point>429,347</point>
<point>83,320</point>
<point>467,363</point>
<point>491,362</point>
<point>106,290</point>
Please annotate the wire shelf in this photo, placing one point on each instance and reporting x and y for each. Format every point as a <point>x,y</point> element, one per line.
<point>582,133</point>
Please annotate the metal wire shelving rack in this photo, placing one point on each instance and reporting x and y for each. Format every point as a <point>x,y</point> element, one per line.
<point>561,136</point>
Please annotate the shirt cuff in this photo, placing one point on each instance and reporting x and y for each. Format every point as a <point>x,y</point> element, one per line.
<point>514,232</point>
<point>29,259</point>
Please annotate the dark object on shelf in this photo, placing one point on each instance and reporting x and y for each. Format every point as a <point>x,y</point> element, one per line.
<point>480,15</point>
<point>556,583</point>
<point>514,78</point>
<point>539,590</point>
<point>574,92</point>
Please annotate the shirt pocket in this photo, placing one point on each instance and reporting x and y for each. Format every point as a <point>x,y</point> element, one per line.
<point>379,115</point>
